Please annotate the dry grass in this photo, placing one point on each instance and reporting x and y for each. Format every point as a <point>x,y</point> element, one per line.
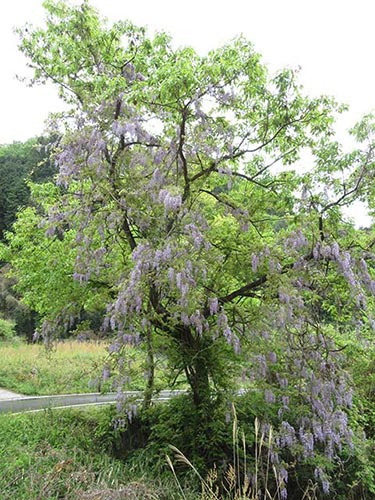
<point>133,491</point>
<point>267,481</point>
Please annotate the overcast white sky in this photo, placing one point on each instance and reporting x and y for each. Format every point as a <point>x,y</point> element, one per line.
<point>333,41</point>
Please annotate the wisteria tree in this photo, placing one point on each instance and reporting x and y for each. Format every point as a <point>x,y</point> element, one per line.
<point>202,199</point>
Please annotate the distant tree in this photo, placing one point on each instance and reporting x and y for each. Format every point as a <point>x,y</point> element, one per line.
<point>43,265</point>
<point>13,308</point>
<point>186,205</point>
<point>20,163</point>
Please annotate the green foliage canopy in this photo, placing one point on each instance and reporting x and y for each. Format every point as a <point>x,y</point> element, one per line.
<point>182,205</point>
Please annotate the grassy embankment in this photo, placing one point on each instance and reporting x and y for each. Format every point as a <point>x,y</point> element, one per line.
<point>71,367</point>
<point>66,454</point>
<point>76,454</point>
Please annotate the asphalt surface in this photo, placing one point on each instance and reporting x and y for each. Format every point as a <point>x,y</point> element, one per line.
<point>11,402</point>
<point>4,394</point>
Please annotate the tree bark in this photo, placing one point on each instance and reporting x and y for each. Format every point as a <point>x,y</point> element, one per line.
<point>150,369</point>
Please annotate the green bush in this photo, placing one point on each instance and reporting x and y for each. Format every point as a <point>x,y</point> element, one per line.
<point>7,329</point>
<point>206,440</point>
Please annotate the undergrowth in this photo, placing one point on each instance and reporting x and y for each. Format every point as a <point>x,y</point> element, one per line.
<point>67,454</point>
<point>163,453</point>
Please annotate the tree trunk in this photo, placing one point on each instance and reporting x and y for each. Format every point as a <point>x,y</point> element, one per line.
<point>150,369</point>
<point>200,383</point>
<point>196,368</point>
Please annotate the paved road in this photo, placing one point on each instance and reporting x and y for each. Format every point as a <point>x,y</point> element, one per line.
<point>4,394</point>
<point>17,403</point>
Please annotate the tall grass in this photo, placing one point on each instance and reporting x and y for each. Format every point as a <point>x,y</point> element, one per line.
<point>263,482</point>
<point>71,367</point>
<point>66,454</point>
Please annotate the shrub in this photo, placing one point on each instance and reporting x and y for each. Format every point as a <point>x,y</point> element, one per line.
<point>7,329</point>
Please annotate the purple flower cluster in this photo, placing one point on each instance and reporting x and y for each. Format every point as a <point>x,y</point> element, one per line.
<point>296,241</point>
<point>171,202</point>
<point>322,477</point>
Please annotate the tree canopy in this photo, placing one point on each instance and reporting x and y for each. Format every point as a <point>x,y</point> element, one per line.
<point>19,164</point>
<point>199,202</point>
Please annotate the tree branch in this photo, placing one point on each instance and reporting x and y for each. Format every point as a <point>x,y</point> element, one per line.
<point>182,155</point>
<point>248,289</point>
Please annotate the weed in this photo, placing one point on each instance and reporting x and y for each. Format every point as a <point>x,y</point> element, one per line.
<point>264,482</point>
<point>63,454</point>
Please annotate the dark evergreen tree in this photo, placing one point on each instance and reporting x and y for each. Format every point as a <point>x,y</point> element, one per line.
<point>19,163</point>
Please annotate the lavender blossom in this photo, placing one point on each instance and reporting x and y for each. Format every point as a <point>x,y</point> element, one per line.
<point>172,203</point>
<point>272,357</point>
<point>269,396</point>
<point>254,262</point>
<point>213,305</point>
